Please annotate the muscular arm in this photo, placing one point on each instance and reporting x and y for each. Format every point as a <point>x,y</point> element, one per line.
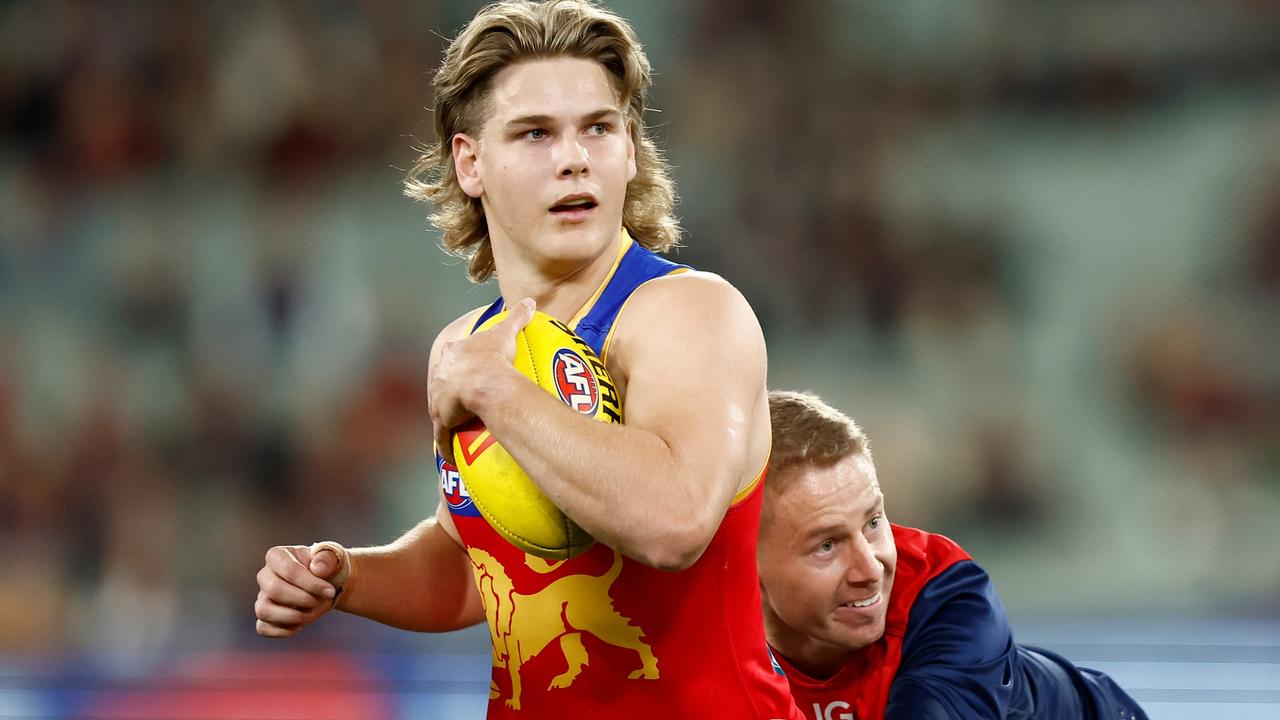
<point>692,357</point>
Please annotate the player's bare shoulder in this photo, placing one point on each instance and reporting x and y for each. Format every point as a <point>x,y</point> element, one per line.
<point>456,330</point>
<point>676,309</point>
<point>688,296</point>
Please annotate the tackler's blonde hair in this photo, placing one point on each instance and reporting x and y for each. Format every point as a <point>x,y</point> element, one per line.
<point>809,432</point>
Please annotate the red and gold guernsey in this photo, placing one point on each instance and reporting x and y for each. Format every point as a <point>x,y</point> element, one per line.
<point>602,635</point>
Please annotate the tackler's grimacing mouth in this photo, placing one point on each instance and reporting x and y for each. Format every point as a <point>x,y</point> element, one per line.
<point>864,603</point>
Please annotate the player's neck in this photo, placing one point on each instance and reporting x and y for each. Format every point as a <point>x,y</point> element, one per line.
<point>559,291</point>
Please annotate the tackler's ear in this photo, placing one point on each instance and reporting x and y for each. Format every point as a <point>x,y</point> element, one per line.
<point>466,163</point>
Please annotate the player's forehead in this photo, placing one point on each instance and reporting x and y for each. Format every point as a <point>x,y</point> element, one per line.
<point>846,490</point>
<point>557,87</point>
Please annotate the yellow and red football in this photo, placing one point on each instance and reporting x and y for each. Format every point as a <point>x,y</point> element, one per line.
<point>553,356</point>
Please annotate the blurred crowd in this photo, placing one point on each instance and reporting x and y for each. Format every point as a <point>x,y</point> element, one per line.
<point>1033,248</point>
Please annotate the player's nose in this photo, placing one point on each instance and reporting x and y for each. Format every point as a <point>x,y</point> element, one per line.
<point>571,157</point>
<point>864,568</point>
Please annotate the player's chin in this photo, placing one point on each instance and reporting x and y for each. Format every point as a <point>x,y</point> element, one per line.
<point>857,638</point>
<point>588,231</point>
<point>860,627</point>
<point>575,245</point>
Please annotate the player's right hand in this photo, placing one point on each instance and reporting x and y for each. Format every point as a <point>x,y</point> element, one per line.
<point>466,365</point>
<point>298,584</point>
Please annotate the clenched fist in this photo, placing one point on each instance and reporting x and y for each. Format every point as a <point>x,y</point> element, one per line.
<point>298,584</point>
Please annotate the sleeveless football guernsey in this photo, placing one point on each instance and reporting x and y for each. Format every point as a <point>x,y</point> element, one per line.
<point>602,635</point>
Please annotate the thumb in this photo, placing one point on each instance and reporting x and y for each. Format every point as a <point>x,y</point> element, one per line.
<point>329,561</point>
<point>520,314</point>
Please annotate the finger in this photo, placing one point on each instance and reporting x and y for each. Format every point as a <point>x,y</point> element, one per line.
<point>444,443</point>
<point>521,314</point>
<point>274,620</point>
<point>266,629</point>
<point>517,317</point>
<point>284,593</point>
<point>290,564</point>
<point>325,562</point>
<point>279,615</point>
<point>443,408</point>
<point>329,560</point>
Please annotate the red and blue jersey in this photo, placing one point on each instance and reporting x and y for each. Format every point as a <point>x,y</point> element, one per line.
<point>948,654</point>
<point>602,635</point>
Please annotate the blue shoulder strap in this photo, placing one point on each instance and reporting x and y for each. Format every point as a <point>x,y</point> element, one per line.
<point>489,312</point>
<point>638,266</point>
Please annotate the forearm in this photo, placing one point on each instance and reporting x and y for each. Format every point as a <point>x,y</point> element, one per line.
<point>422,582</point>
<point>624,485</point>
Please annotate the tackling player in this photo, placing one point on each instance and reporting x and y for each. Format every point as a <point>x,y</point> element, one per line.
<point>543,175</point>
<point>874,620</point>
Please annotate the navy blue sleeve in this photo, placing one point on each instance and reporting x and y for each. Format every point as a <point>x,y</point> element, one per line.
<point>958,656</point>
<point>1056,688</point>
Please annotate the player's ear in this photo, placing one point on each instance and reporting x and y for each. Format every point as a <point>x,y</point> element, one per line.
<point>466,163</point>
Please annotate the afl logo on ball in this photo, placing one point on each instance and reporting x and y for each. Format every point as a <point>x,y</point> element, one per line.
<point>575,383</point>
<point>451,487</point>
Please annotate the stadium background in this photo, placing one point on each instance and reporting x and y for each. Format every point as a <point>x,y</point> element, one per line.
<point>1034,248</point>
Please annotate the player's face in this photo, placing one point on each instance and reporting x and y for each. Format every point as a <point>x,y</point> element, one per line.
<point>827,560</point>
<point>551,165</point>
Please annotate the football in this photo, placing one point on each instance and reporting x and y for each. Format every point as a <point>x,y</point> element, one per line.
<point>553,356</point>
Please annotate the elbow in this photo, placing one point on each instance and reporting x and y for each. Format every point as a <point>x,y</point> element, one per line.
<point>677,549</point>
<point>674,562</point>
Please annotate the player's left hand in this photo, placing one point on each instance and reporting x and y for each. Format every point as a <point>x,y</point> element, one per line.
<point>466,367</point>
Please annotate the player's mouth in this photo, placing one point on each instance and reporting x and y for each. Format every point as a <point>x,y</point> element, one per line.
<point>863,603</point>
<point>574,208</point>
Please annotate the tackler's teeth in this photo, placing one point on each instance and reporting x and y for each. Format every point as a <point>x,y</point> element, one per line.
<point>864,603</point>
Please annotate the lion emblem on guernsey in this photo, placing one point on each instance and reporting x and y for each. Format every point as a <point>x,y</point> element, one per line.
<point>523,626</point>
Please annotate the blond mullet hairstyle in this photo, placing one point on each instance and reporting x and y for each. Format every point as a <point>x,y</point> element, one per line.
<point>809,432</point>
<point>509,32</point>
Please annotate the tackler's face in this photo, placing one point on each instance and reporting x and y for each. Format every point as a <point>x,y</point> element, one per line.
<point>827,559</point>
<point>551,164</point>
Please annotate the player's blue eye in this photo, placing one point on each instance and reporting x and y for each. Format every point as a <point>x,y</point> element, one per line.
<point>827,546</point>
<point>535,134</point>
<point>599,128</point>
